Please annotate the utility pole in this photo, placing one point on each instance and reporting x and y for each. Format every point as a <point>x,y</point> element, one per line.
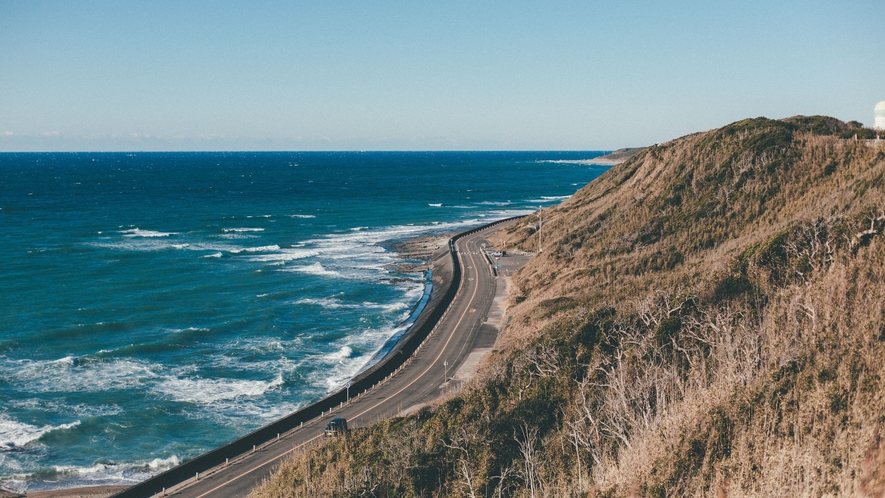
<point>539,229</point>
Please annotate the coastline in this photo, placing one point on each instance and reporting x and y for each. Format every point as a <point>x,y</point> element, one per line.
<point>84,492</point>
<point>614,158</point>
<point>445,280</point>
<point>383,296</point>
<point>414,255</point>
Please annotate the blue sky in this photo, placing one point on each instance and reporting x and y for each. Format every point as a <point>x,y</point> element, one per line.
<point>412,75</point>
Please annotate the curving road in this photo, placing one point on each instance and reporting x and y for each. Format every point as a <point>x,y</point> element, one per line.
<point>419,381</point>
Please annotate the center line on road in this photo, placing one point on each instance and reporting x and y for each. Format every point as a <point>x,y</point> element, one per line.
<point>432,364</point>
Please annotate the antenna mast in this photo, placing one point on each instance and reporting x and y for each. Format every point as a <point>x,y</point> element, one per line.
<point>539,229</point>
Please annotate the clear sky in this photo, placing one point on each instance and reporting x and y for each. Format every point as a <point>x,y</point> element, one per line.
<point>415,75</point>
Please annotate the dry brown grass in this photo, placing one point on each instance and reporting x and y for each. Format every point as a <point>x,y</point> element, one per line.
<point>708,319</point>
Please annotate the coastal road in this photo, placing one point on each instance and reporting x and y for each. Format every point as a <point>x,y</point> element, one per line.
<point>420,381</point>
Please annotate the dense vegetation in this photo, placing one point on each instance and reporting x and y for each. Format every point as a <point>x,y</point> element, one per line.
<point>707,318</point>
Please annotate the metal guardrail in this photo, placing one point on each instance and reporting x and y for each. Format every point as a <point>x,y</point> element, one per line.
<point>399,354</point>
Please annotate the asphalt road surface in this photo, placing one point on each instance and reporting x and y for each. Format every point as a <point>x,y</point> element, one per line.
<point>421,380</point>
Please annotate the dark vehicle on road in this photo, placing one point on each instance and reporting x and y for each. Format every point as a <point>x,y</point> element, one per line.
<point>337,427</point>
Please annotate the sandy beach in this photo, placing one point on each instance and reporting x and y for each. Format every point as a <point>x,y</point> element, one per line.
<point>88,492</point>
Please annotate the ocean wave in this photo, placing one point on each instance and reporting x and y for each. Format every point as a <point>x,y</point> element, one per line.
<point>189,329</point>
<point>350,356</point>
<point>161,244</point>
<point>214,255</point>
<point>80,410</point>
<point>549,198</point>
<point>98,474</point>
<point>269,248</point>
<point>344,353</point>
<point>435,205</point>
<point>238,236</point>
<point>332,303</point>
<point>241,230</point>
<point>568,161</point>
<point>137,232</point>
<point>209,391</point>
<point>302,216</point>
<point>316,269</point>
<point>75,374</point>
<point>285,255</point>
<point>15,434</point>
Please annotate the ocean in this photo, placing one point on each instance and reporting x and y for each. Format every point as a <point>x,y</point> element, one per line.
<point>154,306</point>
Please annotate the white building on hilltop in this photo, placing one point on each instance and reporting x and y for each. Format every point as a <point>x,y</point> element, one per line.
<point>879,116</point>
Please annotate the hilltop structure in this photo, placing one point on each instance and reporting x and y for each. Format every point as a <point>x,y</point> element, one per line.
<point>879,116</point>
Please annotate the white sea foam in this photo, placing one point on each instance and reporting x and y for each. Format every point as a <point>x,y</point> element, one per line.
<point>326,302</point>
<point>549,198</point>
<point>303,216</point>
<point>316,269</point>
<point>189,329</point>
<point>58,406</point>
<point>70,476</point>
<point>237,236</point>
<point>436,205</point>
<point>343,363</point>
<point>160,244</point>
<point>344,352</point>
<point>567,161</point>
<point>15,434</point>
<point>214,255</point>
<point>208,391</point>
<point>284,255</point>
<point>137,232</point>
<point>332,303</point>
<point>269,248</point>
<point>70,374</point>
<point>242,230</point>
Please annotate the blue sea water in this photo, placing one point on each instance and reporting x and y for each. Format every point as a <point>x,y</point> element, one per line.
<point>154,306</point>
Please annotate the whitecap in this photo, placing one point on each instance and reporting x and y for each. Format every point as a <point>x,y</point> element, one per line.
<point>549,198</point>
<point>242,230</point>
<point>189,329</point>
<point>284,255</point>
<point>568,161</point>
<point>102,473</point>
<point>436,205</point>
<point>164,463</point>
<point>58,406</point>
<point>15,434</point>
<point>269,248</point>
<point>137,232</point>
<point>326,302</point>
<point>214,255</point>
<point>343,353</point>
<point>315,269</point>
<point>237,236</point>
<point>208,391</point>
<point>303,216</point>
<point>71,374</point>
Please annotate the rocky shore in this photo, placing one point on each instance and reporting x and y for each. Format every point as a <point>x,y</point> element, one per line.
<point>417,253</point>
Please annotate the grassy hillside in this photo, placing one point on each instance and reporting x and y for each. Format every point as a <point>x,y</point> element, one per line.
<point>707,318</point>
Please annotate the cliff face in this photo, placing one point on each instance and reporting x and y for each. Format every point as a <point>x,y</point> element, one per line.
<point>706,318</point>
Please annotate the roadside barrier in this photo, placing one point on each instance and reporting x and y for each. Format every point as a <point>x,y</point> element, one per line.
<point>401,353</point>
